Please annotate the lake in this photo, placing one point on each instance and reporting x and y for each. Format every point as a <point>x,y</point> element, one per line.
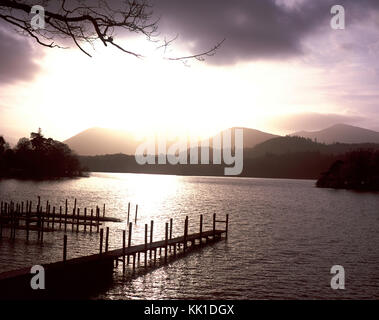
<point>284,235</point>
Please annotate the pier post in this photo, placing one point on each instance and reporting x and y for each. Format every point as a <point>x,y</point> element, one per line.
<point>166,243</point>
<point>104,210</point>
<point>60,217</point>
<point>52,223</point>
<point>129,239</point>
<point>27,221</point>
<point>128,211</point>
<point>65,248</point>
<point>135,218</point>
<point>226,226</point>
<point>185,234</point>
<point>42,225</point>
<point>85,220</point>
<point>123,250</point>
<point>101,240</point>
<point>107,239</point>
<point>201,229</point>
<point>97,218</point>
<point>145,254</point>
<point>65,217</point>
<point>214,226</point>
<point>170,237</point>
<point>73,219</point>
<point>91,221</point>
<point>78,221</point>
<point>151,235</point>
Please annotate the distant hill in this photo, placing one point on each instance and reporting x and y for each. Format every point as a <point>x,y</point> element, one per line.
<point>252,137</point>
<point>100,141</point>
<point>342,133</point>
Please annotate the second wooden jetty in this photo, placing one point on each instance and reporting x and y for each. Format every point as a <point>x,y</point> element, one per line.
<point>71,278</point>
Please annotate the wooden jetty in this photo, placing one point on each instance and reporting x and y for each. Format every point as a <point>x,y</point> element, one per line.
<point>73,278</point>
<point>17,216</point>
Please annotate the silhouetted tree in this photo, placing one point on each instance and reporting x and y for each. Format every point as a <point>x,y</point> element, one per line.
<point>356,170</point>
<point>39,157</point>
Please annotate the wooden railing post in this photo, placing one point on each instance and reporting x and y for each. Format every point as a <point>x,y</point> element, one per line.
<point>166,243</point>
<point>123,250</point>
<point>226,226</point>
<point>214,226</point>
<point>151,236</point>
<point>185,234</point>
<point>129,240</point>
<point>201,228</point>
<point>128,211</point>
<point>145,253</point>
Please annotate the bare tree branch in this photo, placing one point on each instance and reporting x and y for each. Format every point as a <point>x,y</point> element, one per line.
<point>84,23</point>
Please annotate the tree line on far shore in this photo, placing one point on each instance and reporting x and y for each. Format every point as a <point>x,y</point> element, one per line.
<point>357,170</point>
<point>38,157</point>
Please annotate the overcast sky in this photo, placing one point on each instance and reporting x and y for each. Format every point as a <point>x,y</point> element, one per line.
<point>282,68</point>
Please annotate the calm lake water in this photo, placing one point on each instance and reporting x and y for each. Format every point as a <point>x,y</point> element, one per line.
<point>284,237</point>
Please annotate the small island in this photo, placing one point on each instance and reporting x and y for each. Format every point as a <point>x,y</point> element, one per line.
<point>356,170</point>
<point>38,158</point>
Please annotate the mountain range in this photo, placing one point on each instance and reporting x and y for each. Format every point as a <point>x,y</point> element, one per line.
<point>100,141</point>
<point>342,133</point>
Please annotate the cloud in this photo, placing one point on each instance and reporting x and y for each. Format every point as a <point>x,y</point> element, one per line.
<point>253,29</point>
<point>16,58</point>
<point>312,121</point>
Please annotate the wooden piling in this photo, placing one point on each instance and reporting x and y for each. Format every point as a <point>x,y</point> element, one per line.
<point>101,240</point>
<point>201,228</point>
<point>60,217</point>
<point>85,219</point>
<point>65,217</point>
<point>104,210</point>
<point>65,248</point>
<point>73,219</point>
<point>128,211</point>
<point>97,216</point>
<point>135,218</point>
<point>226,226</point>
<point>42,225</point>
<point>123,250</point>
<point>107,240</point>
<point>145,252</point>
<point>214,226</point>
<point>171,225</point>
<point>185,234</point>
<point>129,238</point>
<point>78,221</point>
<point>91,221</point>
<point>166,244</point>
<point>151,235</point>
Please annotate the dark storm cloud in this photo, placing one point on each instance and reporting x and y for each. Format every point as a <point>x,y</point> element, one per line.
<point>16,58</point>
<point>253,29</point>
